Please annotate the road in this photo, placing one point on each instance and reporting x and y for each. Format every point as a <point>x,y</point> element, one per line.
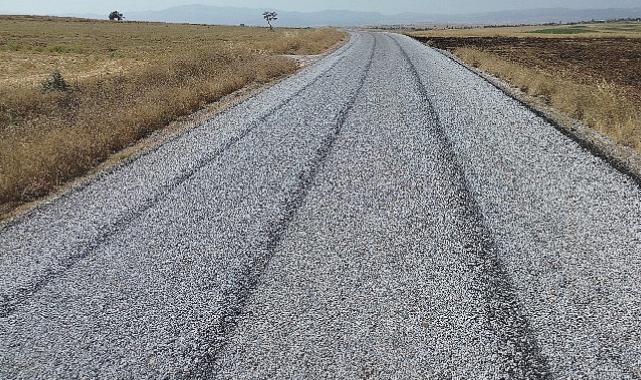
<point>385,213</point>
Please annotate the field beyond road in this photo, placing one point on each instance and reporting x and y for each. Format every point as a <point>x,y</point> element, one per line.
<point>591,72</point>
<point>118,82</point>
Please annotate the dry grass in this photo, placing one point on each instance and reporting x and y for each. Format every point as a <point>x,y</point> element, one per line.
<point>590,72</point>
<point>30,48</point>
<point>600,105</point>
<point>126,80</point>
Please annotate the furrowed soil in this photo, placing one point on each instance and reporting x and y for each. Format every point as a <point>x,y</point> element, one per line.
<point>588,72</point>
<point>584,60</point>
<point>73,92</point>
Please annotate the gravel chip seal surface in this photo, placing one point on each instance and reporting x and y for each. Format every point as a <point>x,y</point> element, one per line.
<point>385,213</point>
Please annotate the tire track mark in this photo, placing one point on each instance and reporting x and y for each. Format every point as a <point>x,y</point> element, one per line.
<point>252,272</point>
<point>503,311</point>
<point>9,303</point>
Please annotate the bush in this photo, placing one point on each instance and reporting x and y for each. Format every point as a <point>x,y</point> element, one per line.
<point>55,82</point>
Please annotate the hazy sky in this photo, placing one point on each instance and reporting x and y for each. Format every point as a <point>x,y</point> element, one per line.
<point>384,6</point>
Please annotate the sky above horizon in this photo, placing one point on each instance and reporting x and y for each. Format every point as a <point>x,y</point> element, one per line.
<point>57,7</point>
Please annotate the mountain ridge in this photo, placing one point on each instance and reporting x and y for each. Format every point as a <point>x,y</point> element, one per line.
<point>204,14</point>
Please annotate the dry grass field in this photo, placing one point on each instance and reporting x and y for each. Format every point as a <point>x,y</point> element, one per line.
<point>590,72</point>
<point>118,82</point>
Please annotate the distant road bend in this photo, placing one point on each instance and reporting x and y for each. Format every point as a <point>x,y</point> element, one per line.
<point>385,213</point>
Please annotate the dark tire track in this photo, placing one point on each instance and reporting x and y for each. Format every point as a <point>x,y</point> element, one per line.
<point>504,314</point>
<point>383,214</point>
<point>10,302</point>
<point>252,273</point>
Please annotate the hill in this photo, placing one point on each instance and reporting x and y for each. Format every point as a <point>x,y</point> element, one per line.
<point>202,14</point>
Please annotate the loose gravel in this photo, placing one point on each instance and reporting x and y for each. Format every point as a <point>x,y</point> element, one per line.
<point>567,225</point>
<point>383,214</point>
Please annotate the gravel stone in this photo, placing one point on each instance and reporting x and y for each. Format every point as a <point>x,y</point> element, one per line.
<point>385,213</point>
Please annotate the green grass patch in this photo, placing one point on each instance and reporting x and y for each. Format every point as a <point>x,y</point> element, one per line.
<point>61,49</point>
<point>565,30</point>
<point>10,46</point>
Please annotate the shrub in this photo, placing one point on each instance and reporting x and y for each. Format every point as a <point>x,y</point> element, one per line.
<point>55,82</point>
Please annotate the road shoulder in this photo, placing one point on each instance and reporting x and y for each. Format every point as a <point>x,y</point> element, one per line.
<point>626,160</point>
<point>173,130</point>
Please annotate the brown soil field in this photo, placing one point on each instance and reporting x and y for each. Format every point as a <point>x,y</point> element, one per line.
<point>587,72</point>
<point>628,29</point>
<point>584,60</point>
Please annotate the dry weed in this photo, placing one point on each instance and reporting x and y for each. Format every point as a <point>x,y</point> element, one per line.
<point>48,137</point>
<point>601,105</point>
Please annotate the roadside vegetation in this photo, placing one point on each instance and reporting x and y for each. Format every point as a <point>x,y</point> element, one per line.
<point>600,105</point>
<point>72,92</point>
<point>591,72</point>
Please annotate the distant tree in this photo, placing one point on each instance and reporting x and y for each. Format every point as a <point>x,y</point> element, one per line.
<point>269,17</point>
<point>115,15</point>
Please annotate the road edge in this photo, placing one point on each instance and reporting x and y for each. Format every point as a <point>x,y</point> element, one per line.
<point>624,159</point>
<point>156,139</point>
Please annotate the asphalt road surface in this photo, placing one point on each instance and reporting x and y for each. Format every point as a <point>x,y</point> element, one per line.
<point>385,213</point>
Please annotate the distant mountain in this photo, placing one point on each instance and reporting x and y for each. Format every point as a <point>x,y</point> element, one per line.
<point>202,14</point>
<point>547,15</point>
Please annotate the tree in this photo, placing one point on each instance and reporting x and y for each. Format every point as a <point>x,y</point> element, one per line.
<point>269,17</point>
<point>115,15</point>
